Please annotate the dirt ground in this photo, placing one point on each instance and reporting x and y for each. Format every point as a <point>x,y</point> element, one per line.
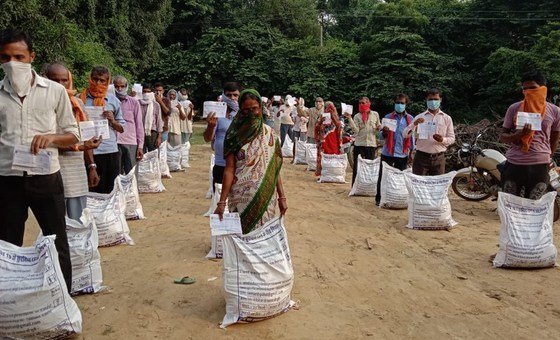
<point>411,284</point>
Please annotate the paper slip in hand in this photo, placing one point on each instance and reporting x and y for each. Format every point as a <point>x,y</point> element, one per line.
<point>291,101</point>
<point>277,98</point>
<point>24,160</point>
<point>264,100</point>
<point>95,112</point>
<point>94,128</point>
<point>529,118</point>
<point>391,124</point>
<point>137,88</point>
<point>328,119</point>
<point>231,224</point>
<point>347,108</point>
<point>219,108</point>
<point>426,130</point>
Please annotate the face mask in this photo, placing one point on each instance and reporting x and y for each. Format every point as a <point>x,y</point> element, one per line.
<point>232,104</point>
<point>19,74</point>
<point>149,96</point>
<point>400,108</point>
<point>185,96</point>
<point>319,105</point>
<point>433,104</point>
<point>122,93</point>
<point>364,108</point>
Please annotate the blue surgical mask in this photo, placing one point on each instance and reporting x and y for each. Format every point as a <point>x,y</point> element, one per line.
<point>433,104</point>
<point>400,108</point>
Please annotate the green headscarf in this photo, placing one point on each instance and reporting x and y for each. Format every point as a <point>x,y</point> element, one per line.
<point>244,127</point>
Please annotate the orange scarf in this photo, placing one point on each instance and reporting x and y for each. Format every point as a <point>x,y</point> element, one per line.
<point>79,114</point>
<point>97,91</point>
<point>534,102</point>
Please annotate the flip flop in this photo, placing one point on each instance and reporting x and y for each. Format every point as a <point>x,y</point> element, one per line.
<point>185,280</point>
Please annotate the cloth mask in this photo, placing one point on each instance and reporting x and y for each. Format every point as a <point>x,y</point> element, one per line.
<point>149,96</point>
<point>121,94</point>
<point>400,108</point>
<point>364,108</point>
<point>319,106</point>
<point>19,76</point>
<point>232,104</point>
<point>433,104</point>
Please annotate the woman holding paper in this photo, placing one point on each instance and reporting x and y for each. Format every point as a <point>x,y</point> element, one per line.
<point>175,117</point>
<point>253,161</point>
<point>327,134</point>
<point>365,126</point>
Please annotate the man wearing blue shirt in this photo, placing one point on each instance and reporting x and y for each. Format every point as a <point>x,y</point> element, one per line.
<point>217,128</point>
<point>106,156</point>
<point>396,147</point>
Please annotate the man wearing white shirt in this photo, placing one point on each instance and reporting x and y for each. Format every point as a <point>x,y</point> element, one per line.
<point>429,159</point>
<point>35,113</point>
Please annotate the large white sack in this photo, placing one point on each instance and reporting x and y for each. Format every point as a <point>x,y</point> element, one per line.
<point>129,186</point>
<point>300,157</point>
<point>288,148</point>
<point>174,157</point>
<point>83,240</point>
<point>526,232</point>
<point>215,199</point>
<point>211,177</point>
<point>162,152</point>
<point>185,155</point>
<point>311,156</point>
<point>394,194</point>
<point>367,174</point>
<point>428,201</point>
<point>108,212</point>
<point>149,173</point>
<point>34,300</point>
<point>258,274</point>
<point>333,168</point>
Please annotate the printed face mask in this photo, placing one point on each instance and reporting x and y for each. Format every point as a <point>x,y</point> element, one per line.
<point>433,104</point>
<point>19,75</point>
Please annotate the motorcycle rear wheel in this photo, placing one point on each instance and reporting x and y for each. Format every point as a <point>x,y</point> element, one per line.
<point>470,188</point>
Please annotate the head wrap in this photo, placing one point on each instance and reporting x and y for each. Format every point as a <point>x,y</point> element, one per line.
<point>97,91</point>
<point>244,127</point>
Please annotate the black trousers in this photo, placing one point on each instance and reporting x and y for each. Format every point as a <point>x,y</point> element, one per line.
<point>108,168</point>
<point>217,175</point>
<point>367,152</point>
<point>45,196</point>
<point>395,162</point>
<point>531,180</point>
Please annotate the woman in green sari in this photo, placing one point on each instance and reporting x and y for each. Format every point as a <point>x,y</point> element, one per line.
<point>252,182</point>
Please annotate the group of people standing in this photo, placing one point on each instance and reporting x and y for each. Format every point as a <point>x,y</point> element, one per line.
<point>43,112</point>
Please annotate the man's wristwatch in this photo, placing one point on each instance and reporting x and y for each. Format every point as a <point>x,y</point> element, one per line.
<point>92,166</point>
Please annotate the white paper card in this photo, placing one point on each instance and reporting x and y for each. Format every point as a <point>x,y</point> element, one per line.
<point>264,100</point>
<point>24,160</point>
<point>277,98</point>
<point>426,130</point>
<point>529,118</point>
<point>137,88</point>
<point>291,101</point>
<point>231,224</point>
<point>219,108</point>
<point>327,117</point>
<point>94,128</point>
<point>391,124</point>
<point>95,112</point>
<point>347,108</point>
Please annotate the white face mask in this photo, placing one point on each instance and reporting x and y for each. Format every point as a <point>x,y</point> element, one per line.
<point>20,76</point>
<point>149,96</point>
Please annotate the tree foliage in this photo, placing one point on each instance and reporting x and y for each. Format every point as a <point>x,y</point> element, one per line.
<point>474,50</point>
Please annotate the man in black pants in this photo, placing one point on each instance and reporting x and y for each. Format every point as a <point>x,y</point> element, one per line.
<point>217,127</point>
<point>35,115</point>
<point>530,151</point>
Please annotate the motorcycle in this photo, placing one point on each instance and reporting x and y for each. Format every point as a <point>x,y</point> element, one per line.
<point>481,177</point>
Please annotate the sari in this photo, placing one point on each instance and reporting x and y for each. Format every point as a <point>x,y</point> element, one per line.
<point>328,136</point>
<point>258,160</point>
